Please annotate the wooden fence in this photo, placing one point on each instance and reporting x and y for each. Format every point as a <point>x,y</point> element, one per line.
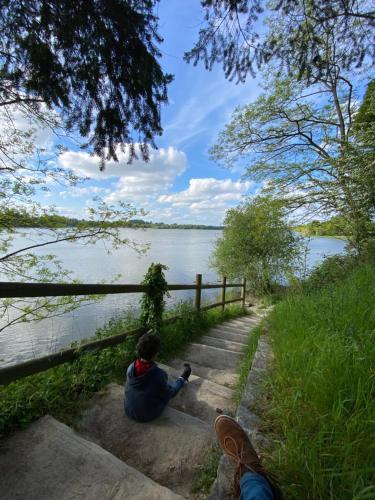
<point>20,290</point>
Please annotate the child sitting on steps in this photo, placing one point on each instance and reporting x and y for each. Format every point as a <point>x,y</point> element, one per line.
<point>147,390</point>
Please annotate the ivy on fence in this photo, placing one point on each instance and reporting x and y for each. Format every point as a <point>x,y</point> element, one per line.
<point>152,302</point>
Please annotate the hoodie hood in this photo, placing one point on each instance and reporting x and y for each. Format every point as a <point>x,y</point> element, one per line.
<point>142,380</point>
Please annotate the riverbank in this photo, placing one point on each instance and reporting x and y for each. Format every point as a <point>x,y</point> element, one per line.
<point>308,234</point>
<point>321,390</point>
<point>185,252</point>
<point>62,391</point>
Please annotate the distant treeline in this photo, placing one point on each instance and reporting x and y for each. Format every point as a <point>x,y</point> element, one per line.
<point>13,218</point>
<point>332,227</point>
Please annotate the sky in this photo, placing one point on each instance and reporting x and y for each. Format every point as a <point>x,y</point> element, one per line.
<point>179,183</point>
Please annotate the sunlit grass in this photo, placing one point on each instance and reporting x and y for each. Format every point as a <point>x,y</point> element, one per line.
<point>322,388</point>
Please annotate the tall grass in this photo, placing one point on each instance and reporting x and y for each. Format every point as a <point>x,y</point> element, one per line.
<point>322,388</point>
<point>62,390</point>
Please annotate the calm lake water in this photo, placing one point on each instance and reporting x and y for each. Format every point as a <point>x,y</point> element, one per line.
<point>185,252</point>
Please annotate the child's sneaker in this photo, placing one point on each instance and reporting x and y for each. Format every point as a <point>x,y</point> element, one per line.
<point>187,371</point>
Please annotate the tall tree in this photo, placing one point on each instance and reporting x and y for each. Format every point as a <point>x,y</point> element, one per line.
<point>241,35</point>
<point>96,61</point>
<point>89,67</point>
<point>300,143</point>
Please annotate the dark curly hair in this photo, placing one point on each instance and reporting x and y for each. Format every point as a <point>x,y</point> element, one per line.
<point>148,346</point>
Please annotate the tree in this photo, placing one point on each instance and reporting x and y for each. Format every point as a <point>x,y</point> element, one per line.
<point>95,61</point>
<point>257,243</point>
<point>83,66</point>
<point>25,169</point>
<point>244,35</point>
<point>298,138</point>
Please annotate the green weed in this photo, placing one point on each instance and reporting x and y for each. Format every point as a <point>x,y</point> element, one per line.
<point>207,474</point>
<point>62,390</point>
<point>246,362</point>
<point>322,390</point>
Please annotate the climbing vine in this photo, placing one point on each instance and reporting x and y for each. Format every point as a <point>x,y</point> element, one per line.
<point>152,302</point>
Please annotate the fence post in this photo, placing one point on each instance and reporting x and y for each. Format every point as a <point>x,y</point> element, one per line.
<point>243,295</point>
<point>223,293</point>
<point>198,291</point>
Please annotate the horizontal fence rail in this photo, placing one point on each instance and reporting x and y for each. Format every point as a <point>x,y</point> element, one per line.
<point>19,290</point>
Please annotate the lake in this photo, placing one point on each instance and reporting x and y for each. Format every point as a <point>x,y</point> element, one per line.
<point>185,252</point>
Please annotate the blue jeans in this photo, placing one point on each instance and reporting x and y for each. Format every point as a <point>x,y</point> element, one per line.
<point>176,386</point>
<point>255,487</point>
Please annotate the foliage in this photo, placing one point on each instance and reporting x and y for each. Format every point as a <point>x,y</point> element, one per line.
<point>335,226</point>
<point>152,302</point>
<point>365,118</point>
<point>94,60</point>
<point>300,143</point>
<point>208,471</point>
<point>322,390</point>
<point>331,270</point>
<point>27,169</point>
<point>61,391</point>
<point>257,243</point>
<point>27,264</point>
<point>244,35</point>
<point>247,361</point>
<point>20,218</point>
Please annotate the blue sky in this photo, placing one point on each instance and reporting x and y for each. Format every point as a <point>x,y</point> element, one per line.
<point>180,183</point>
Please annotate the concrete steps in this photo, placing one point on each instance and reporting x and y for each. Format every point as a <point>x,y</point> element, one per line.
<point>113,457</point>
<point>229,335</point>
<point>223,343</point>
<point>49,461</point>
<point>227,377</point>
<point>168,450</point>
<point>243,325</point>
<point>201,398</point>
<point>213,357</point>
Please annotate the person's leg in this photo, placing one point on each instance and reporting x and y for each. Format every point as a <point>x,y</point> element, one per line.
<point>176,386</point>
<point>255,487</point>
<point>251,479</point>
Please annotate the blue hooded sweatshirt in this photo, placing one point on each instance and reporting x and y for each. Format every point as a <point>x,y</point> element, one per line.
<point>147,395</point>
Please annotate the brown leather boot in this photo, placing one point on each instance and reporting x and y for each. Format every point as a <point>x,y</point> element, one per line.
<point>237,445</point>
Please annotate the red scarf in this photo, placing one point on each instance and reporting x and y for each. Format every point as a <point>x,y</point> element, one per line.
<point>141,367</point>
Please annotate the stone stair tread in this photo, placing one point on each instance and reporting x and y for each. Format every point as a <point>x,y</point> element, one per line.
<point>49,461</point>
<point>209,336</point>
<point>228,335</point>
<point>200,397</point>
<point>253,320</point>
<point>222,343</point>
<point>169,450</point>
<point>213,357</point>
<point>233,327</point>
<point>226,377</point>
<point>237,328</point>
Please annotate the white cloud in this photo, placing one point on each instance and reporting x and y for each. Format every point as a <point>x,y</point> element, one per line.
<point>162,159</point>
<point>77,192</point>
<point>136,182</point>
<point>149,185</point>
<point>13,119</point>
<point>208,193</point>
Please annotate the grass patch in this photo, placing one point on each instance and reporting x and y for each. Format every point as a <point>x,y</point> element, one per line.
<point>322,390</point>
<point>207,474</point>
<point>61,391</point>
<point>246,362</point>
